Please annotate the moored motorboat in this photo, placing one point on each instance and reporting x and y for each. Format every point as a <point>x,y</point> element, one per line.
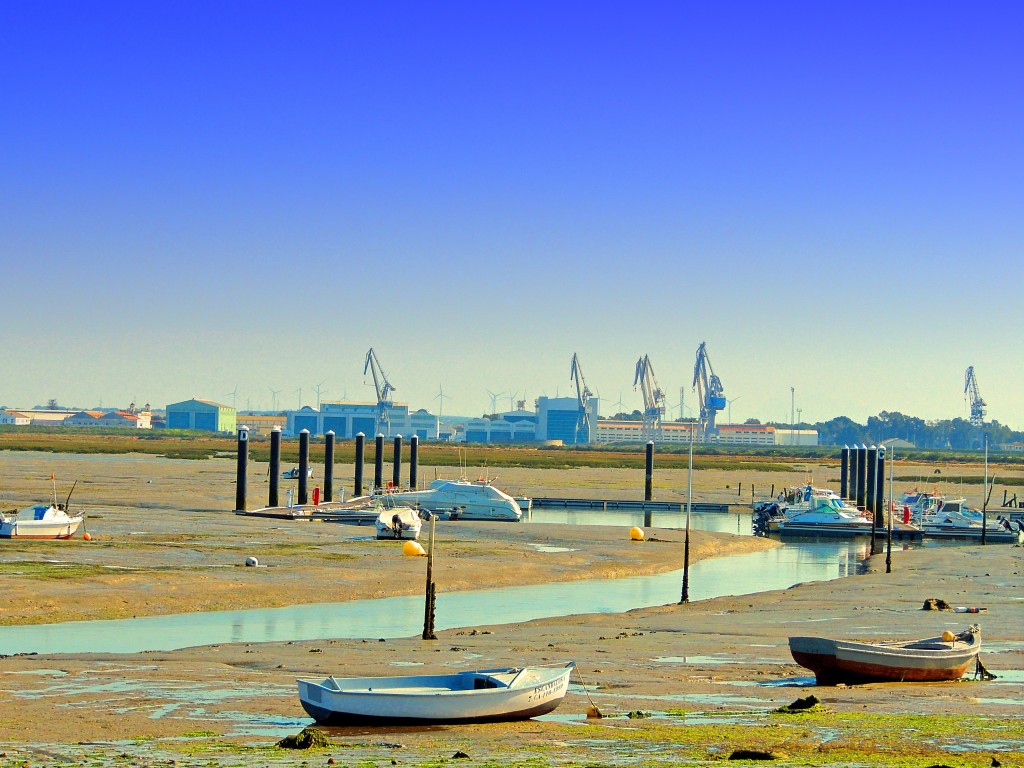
<point>398,523</point>
<point>492,694</point>
<point>954,519</point>
<point>843,661</point>
<point>463,500</point>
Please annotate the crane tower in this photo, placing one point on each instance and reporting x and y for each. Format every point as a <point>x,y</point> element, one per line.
<point>974,396</point>
<point>654,398</point>
<point>384,389</point>
<point>583,395</point>
<point>709,388</point>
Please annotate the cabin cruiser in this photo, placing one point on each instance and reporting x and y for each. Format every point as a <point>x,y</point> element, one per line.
<point>797,501</point>
<point>918,506</point>
<point>954,519</point>
<point>462,500</point>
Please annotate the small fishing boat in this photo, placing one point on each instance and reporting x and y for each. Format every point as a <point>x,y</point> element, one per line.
<point>40,521</point>
<point>843,661</point>
<point>490,694</point>
<point>293,473</point>
<point>398,523</point>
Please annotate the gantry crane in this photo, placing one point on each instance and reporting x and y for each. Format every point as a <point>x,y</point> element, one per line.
<point>384,389</point>
<point>972,393</point>
<point>654,398</point>
<point>583,395</point>
<point>709,388</point>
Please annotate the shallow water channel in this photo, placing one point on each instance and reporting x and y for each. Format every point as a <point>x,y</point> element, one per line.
<point>403,616</point>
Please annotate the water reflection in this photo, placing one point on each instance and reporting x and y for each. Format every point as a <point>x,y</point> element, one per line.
<point>402,616</point>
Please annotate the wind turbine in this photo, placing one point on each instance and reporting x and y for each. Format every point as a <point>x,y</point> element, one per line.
<point>299,393</point>
<point>441,396</point>
<point>619,404</point>
<point>234,396</point>
<point>273,395</point>
<point>511,400</point>
<point>319,388</point>
<point>733,400</point>
<point>494,400</point>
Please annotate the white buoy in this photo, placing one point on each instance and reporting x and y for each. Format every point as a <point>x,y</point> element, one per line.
<point>252,562</point>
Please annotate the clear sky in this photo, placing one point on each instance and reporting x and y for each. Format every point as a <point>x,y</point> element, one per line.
<point>199,196</point>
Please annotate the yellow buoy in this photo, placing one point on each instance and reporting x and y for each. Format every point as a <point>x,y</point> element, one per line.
<point>948,636</point>
<point>636,534</point>
<point>412,549</point>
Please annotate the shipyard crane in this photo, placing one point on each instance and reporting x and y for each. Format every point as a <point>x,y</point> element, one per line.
<point>654,398</point>
<point>384,390</point>
<point>972,393</point>
<point>709,390</point>
<point>583,395</point>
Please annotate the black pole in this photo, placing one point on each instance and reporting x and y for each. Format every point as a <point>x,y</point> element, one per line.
<point>396,469</point>
<point>685,596</point>
<point>869,492</point>
<point>243,468</point>
<point>862,463</point>
<point>649,482</point>
<point>360,450</point>
<point>844,471</point>
<point>275,465</point>
<point>851,488</point>
<point>378,463</point>
<point>303,467</point>
<point>414,460</point>
<point>329,466</point>
<point>880,510</point>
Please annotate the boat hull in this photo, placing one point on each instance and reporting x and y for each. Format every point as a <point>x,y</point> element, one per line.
<point>423,702</point>
<point>838,661</point>
<point>32,529</point>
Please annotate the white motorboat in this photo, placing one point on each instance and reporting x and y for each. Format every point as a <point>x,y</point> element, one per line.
<point>398,523</point>
<point>827,518</point>
<point>918,506</point>
<point>954,519</point>
<point>463,500</point>
<point>491,694</point>
<point>792,503</point>
<point>41,521</point>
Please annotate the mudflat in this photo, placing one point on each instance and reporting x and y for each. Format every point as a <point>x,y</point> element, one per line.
<point>679,683</point>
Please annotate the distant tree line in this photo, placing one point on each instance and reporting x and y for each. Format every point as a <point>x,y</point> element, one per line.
<point>955,434</point>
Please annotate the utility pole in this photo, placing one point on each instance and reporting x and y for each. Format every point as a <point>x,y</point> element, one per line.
<point>792,413</point>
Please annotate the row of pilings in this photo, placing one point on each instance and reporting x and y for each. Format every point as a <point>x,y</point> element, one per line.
<point>862,478</point>
<point>273,497</point>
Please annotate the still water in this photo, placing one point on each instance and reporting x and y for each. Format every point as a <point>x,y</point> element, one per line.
<point>403,616</point>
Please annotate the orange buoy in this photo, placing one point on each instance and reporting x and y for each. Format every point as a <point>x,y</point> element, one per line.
<point>87,536</point>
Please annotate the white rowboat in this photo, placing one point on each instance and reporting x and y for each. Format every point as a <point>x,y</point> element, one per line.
<point>490,694</point>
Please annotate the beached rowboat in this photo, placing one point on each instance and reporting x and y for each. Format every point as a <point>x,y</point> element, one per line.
<point>932,659</point>
<point>492,694</point>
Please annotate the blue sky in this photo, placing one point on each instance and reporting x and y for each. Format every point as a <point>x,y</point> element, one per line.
<point>203,196</point>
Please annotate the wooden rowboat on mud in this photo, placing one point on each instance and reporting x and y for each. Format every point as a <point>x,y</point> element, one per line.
<point>932,659</point>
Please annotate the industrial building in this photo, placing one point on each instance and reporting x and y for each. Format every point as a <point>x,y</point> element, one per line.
<point>204,415</point>
<point>556,419</point>
<point>347,418</point>
<point>633,431</point>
